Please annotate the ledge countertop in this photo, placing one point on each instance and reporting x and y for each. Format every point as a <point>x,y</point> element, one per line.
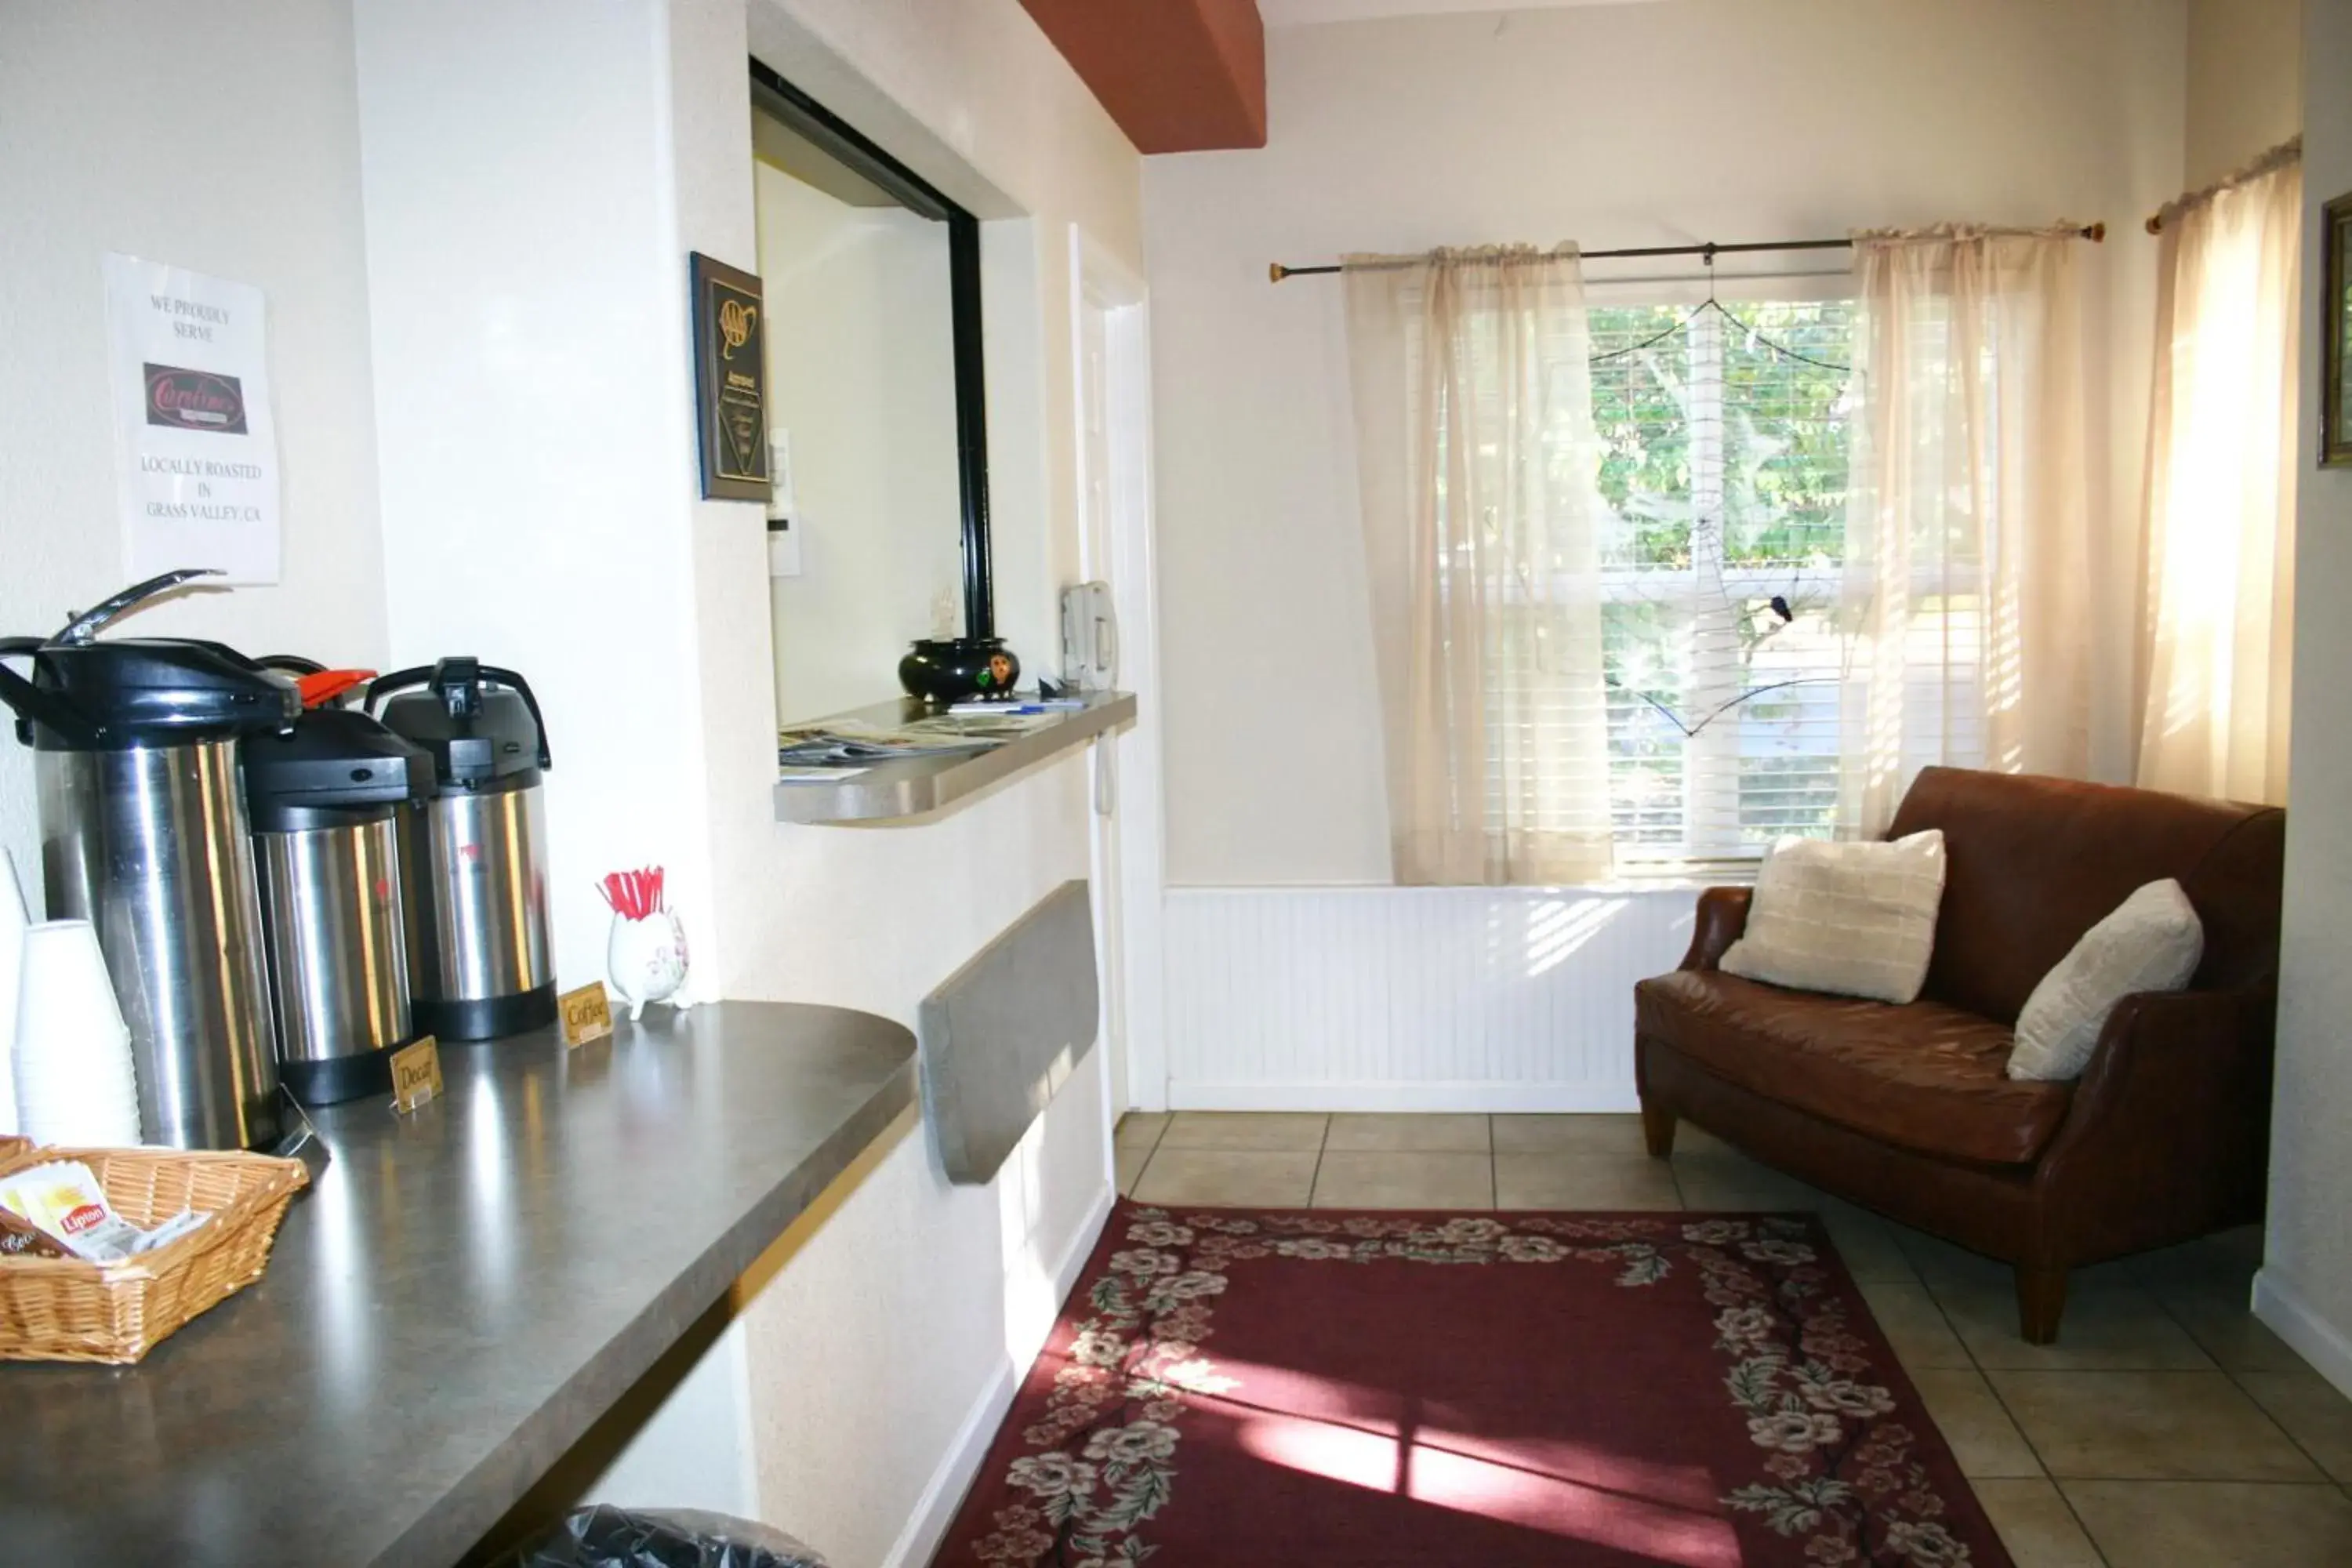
<point>461,1294</point>
<point>900,788</point>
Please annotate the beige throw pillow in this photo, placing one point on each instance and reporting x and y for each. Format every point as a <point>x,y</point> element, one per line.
<point>2153,941</point>
<point>1858,919</point>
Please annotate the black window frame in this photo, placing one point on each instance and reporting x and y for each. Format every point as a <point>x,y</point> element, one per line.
<point>773,96</point>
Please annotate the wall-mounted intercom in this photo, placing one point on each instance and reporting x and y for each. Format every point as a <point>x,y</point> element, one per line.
<point>1090,638</point>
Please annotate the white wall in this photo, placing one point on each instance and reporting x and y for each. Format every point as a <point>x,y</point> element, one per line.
<point>532,192</point>
<point>969,93</point>
<point>224,139</point>
<point>861,371</point>
<point>2304,1291</point>
<point>1614,125</point>
<point>974,98</point>
<point>528,281</point>
<point>912,1284</point>
<point>472,220</point>
<point>2245,83</point>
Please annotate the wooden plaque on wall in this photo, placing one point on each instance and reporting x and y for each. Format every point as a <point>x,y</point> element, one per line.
<point>730,380</point>
<point>2336,334</point>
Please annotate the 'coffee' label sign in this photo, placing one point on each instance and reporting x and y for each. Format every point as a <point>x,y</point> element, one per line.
<point>583,1015</point>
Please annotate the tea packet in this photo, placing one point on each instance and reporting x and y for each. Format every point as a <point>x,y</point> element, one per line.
<point>63,1199</point>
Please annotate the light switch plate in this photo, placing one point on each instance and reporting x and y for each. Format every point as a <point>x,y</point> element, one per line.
<point>783,548</point>
<point>781,500</point>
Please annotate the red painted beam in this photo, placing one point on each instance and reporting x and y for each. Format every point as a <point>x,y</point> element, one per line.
<point>1179,76</point>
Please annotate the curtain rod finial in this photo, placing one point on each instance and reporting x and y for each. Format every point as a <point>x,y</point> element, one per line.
<point>2097,233</point>
<point>1276,272</point>
<point>2155,224</point>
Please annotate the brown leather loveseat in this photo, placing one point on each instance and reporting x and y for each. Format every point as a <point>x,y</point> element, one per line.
<point>1909,1110</point>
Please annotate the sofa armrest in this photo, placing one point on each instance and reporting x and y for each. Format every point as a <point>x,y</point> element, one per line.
<point>2172,1113</point>
<point>1722,916</point>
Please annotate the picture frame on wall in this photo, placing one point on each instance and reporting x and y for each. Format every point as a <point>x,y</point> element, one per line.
<point>2336,334</point>
<point>730,380</point>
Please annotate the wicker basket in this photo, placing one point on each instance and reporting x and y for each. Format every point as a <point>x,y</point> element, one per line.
<point>64,1309</point>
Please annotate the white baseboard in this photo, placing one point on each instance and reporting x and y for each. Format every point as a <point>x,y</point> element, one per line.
<point>1412,1097</point>
<point>2281,1306</point>
<point>943,1494</point>
<point>936,1510</point>
<point>1073,1261</point>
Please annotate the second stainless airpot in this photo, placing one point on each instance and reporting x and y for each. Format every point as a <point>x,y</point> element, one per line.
<point>473,855</point>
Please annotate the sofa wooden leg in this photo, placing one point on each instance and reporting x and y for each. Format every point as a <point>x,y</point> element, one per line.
<point>1658,1132</point>
<point>2041,1302</point>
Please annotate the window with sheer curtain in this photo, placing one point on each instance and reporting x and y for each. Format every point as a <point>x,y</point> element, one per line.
<point>2217,618</point>
<point>1966,580</point>
<point>1723,474</point>
<point>1476,461</point>
<point>1726,444</point>
<point>1710,450</point>
<point>1654,586</point>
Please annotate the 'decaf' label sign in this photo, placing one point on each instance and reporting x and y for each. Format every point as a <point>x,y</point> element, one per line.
<point>195,447</point>
<point>416,1074</point>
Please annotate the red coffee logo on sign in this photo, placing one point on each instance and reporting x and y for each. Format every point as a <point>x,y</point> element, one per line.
<point>194,400</point>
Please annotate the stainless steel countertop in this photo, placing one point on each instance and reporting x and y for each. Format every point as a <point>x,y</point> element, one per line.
<point>463,1292</point>
<point>912,786</point>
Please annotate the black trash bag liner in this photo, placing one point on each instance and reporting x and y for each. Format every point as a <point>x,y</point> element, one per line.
<point>604,1537</point>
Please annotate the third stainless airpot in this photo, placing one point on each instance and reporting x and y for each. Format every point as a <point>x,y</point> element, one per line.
<point>473,855</point>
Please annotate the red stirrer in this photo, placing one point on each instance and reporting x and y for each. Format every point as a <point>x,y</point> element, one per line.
<point>634,895</point>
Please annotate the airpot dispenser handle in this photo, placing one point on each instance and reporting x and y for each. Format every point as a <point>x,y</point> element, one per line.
<point>87,625</point>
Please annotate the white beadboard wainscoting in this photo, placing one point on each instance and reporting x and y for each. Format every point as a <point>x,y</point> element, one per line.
<point>1412,998</point>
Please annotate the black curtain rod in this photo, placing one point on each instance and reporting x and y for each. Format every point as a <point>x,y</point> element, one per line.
<point>1277,272</point>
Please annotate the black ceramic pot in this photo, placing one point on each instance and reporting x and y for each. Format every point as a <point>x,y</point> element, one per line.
<point>950,670</point>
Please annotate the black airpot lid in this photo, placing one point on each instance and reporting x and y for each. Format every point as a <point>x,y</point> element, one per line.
<point>127,692</point>
<point>335,768</point>
<point>481,722</point>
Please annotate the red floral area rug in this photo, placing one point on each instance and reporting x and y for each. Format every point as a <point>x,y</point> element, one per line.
<point>1245,1388</point>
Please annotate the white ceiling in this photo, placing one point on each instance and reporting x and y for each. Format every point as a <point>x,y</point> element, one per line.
<point>1302,13</point>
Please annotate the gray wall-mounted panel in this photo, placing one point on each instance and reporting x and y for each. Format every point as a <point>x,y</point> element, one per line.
<point>1002,1034</point>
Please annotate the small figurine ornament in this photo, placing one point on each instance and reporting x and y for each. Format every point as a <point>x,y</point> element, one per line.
<point>646,956</point>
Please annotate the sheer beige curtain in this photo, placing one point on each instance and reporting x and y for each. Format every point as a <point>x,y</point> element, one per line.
<point>1477,459</point>
<point>1967,550</point>
<point>2216,624</point>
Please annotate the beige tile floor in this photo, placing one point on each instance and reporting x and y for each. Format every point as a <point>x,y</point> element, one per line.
<point>2166,1429</point>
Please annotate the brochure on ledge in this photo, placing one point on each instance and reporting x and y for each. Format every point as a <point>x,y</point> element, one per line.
<point>855,742</point>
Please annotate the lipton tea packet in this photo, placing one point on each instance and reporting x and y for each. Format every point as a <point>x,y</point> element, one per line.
<point>64,1200</point>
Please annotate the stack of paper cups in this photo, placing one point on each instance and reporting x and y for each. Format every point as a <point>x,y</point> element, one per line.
<point>12,963</point>
<point>74,1079</point>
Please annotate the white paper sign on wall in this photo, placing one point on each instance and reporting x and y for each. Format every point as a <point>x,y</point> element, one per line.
<point>195,443</point>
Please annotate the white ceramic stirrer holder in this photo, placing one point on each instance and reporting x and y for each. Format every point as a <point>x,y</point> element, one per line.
<point>645,959</point>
